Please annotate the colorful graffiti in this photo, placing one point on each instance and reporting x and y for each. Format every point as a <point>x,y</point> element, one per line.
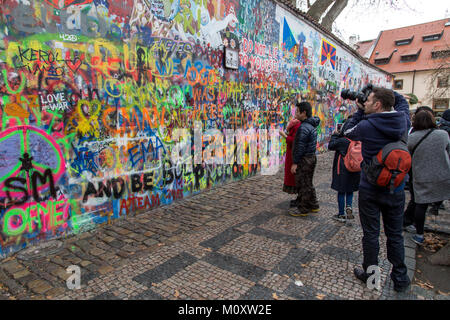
<point>109,108</point>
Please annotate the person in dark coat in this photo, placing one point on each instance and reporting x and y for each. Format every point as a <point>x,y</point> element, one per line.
<point>444,124</point>
<point>344,181</point>
<point>304,160</point>
<point>289,177</point>
<point>382,119</point>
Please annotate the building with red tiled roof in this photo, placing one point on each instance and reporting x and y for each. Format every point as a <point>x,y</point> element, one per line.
<point>414,54</point>
<point>365,48</point>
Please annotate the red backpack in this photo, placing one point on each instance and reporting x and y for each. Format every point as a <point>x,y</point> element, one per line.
<point>390,166</point>
<point>353,157</point>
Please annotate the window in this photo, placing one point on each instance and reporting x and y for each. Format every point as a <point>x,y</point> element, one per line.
<point>403,42</point>
<point>382,61</point>
<point>442,82</point>
<point>432,37</point>
<point>440,54</point>
<point>409,58</point>
<point>398,84</point>
<point>440,104</point>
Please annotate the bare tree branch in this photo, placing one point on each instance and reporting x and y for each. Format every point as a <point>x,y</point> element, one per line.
<point>333,13</point>
<point>319,8</point>
<point>442,71</point>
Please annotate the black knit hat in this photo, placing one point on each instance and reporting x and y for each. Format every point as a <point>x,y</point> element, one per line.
<point>446,115</point>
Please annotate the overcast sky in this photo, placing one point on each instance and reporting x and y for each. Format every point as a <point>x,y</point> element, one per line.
<point>369,21</point>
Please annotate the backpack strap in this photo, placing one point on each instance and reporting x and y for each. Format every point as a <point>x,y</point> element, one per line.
<point>393,177</point>
<point>346,149</point>
<point>403,138</point>
<point>420,141</point>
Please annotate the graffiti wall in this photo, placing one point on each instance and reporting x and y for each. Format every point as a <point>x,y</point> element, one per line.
<point>110,108</point>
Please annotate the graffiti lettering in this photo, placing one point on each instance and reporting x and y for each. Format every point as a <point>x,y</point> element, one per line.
<point>108,108</point>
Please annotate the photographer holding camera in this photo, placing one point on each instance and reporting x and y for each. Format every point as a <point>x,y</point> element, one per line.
<point>382,118</point>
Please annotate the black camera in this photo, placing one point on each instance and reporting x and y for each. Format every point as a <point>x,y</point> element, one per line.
<point>359,96</point>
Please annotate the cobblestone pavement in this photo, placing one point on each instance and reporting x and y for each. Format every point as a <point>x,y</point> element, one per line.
<point>233,242</point>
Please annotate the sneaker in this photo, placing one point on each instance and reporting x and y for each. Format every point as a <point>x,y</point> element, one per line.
<point>293,203</point>
<point>418,239</point>
<point>349,212</point>
<point>411,228</point>
<point>361,274</point>
<point>403,286</point>
<point>299,213</point>
<point>339,217</point>
<point>315,209</point>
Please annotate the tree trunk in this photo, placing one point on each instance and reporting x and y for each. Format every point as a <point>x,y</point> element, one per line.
<point>335,11</point>
<point>318,8</point>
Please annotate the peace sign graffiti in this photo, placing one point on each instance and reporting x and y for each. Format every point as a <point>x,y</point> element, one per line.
<point>27,151</point>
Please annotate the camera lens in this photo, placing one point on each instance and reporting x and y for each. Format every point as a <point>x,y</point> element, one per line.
<point>347,94</point>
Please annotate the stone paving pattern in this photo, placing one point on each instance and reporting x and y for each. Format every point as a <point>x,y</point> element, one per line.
<point>233,242</point>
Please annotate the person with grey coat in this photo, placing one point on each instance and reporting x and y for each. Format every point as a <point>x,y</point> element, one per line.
<point>430,151</point>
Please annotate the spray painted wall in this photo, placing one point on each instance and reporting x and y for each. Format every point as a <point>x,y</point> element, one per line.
<point>110,108</point>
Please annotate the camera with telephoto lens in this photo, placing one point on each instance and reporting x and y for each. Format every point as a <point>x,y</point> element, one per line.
<point>359,96</point>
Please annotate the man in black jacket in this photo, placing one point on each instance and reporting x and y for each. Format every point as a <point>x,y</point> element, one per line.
<point>304,160</point>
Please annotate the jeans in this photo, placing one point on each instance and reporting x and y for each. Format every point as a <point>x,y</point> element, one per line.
<point>411,208</point>
<point>344,199</point>
<point>391,206</point>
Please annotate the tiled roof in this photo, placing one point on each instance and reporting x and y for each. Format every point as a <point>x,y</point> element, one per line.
<point>413,51</point>
<point>384,55</point>
<point>386,46</point>
<point>364,46</point>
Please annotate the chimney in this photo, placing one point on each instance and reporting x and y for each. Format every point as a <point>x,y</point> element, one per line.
<point>353,40</point>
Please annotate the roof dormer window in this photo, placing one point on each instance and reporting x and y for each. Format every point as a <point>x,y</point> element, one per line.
<point>402,42</point>
<point>440,52</point>
<point>410,56</point>
<point>432,37</point>
<point>384,58</point>
<point>382,61</point>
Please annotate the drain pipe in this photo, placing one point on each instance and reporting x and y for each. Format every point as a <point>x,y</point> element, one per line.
<point>414,80</point>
